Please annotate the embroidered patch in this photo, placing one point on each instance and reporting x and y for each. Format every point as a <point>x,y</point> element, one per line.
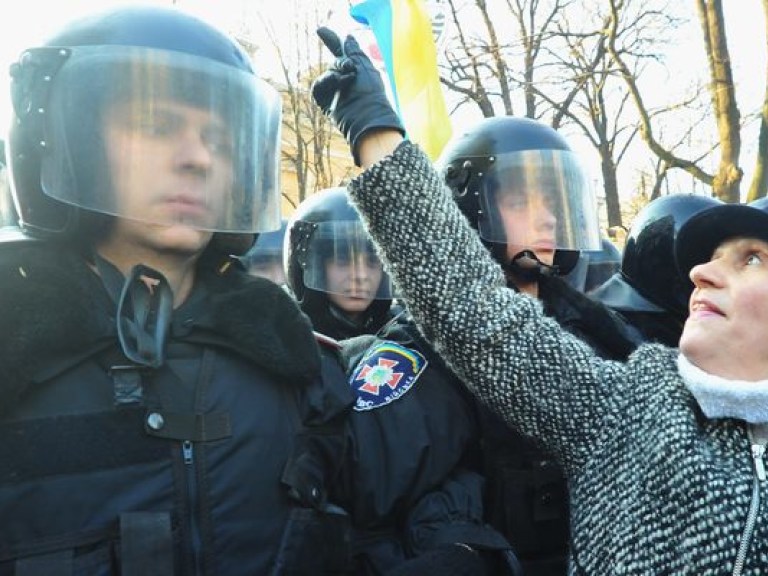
<point>385,374</point>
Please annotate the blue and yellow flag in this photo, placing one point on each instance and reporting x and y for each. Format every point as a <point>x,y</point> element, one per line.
<point>404,36</point>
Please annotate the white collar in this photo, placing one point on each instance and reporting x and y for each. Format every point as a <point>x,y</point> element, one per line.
<point>722,398</point>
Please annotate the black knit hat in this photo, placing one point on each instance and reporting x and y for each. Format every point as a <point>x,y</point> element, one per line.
<point>704,232</point>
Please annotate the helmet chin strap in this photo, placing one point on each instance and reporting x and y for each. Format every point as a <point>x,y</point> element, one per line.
<point>527,267</point>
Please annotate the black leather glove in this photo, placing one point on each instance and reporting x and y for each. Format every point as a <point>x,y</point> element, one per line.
<point>351,92</point>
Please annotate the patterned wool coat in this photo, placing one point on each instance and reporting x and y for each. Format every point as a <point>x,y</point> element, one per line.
<point>656,487</point>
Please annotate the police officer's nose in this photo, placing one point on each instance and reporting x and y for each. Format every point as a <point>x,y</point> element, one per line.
<point>360,269</point>
<point>192,149</point>
<point>544,217</point>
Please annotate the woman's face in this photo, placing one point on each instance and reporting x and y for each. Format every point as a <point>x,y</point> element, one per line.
<point>727,327</point>
<point>353,281</point>
<point>529,223</point>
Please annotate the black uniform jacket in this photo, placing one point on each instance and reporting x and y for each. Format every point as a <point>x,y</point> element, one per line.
<point>217,461</point>
<point>411,478</point>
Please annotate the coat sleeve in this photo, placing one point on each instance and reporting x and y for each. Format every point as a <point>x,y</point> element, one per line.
<point>453,515</point>
<point>540,379</point>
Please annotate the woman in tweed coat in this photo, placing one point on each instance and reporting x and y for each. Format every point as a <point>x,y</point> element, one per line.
<point>664,453</point>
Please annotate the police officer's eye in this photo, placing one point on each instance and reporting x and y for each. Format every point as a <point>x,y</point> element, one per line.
<point>218,140</point>
<point>550,202</point>
<point>372,261</point>
<point>342,259</point>
<point>156,123</point>
<point>513,202</point>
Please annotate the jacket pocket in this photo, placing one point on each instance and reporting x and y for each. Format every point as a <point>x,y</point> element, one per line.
<point>139,544</point>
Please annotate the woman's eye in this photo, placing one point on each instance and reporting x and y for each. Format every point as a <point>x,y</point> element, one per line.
<point>754,259</point>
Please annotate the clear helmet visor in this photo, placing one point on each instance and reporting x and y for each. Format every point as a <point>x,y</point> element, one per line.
<point>539,200</point>
<point>265,258</point>
<point>599,270</point>
<point>267,265</point>
<point>340,259</point>
<point>7,211</point>
<point>165,138</point>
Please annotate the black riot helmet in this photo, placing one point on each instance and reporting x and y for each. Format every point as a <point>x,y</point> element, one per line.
<point>122,67</point>
<point>505,161</point>
<point>648,280</point>
<point>325,230</point>
<point>7,211</point>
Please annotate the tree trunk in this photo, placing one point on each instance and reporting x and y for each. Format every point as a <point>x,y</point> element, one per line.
<point>727,179</point>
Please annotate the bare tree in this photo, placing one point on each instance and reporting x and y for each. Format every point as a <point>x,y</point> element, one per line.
<point>728,177</point>
<point>726,180</point>
<point>759,184</point>
<point>483,70</point>
<point>312,148</point>
<point>597,100</point>
<point>559,65</point>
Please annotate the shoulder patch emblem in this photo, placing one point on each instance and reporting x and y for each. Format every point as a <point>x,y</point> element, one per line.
<point>386,373</point>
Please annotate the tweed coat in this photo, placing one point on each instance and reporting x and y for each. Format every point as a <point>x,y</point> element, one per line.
<point>656,487</point>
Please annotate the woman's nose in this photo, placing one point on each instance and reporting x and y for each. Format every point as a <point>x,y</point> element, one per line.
<point>706,273</point>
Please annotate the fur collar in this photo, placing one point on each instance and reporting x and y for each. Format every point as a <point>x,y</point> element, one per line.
<point>722,398</point>
<point>54,308</point>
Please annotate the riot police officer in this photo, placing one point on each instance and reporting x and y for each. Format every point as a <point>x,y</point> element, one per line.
<point>162,411</point>
<point>525,192</point>
<point>411,480</point>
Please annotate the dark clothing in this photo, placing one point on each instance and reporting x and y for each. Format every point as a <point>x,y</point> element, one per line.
<point>328,319</point>
<point>594,323</point>
<point>411,481</point>
<point>650,321</point>
<point>658,327</point>
<point>527,491</point>
<point>215,462</point>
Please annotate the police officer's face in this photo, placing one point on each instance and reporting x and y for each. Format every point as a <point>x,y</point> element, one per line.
<point>171,168</point>
<point>529,224</point>
<point>353,280</point>
<point>727,328</point>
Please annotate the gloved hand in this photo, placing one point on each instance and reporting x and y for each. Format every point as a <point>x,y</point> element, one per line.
<point>446,560</point>
<point>351,92</point>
